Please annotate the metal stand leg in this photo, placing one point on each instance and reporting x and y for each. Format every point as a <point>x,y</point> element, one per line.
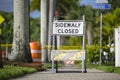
<point>52,66</point>
<point>84,66</point>
<point>56,66</point>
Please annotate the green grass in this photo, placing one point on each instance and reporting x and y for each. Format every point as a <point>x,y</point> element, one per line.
<point>117,70</point>
<point>12,71</point>
<point>109,67</point>
<point>106,68</point>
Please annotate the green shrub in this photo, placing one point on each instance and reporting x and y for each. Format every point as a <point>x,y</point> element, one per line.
<point>93,54</point>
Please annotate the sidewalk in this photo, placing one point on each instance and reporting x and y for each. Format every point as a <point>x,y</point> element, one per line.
<point>71,73</point>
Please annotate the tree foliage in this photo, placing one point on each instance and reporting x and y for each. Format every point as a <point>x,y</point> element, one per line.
<point>35,5</point>
<point>35,29</point>
<point>110,21</point>
<point>7,28</point>
<point>114,4</point>
<point>66,6</point>
<point>71,10</point>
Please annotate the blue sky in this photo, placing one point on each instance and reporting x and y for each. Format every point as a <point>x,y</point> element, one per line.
<point>7,6</point>
<point>88,2</point>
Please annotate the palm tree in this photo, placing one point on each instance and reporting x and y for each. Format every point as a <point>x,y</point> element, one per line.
<point>21,49</point>
<point>90,16</point>
<point>65,6</point>
<point>110,21</point>
<point>35,5</point>
<point>115,4</point>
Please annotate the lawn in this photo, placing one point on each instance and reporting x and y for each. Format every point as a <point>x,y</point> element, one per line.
<point>105,67</point>
<point>10,71</point>
<point>14,71</point>
<point>111,69</point>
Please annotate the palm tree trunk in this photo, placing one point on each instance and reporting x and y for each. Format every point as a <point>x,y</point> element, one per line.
<point>20,49</point>
<point>90,37</point>
<point>44,32</point>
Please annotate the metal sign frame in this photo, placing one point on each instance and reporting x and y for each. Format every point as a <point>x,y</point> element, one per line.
<point>54,47</point>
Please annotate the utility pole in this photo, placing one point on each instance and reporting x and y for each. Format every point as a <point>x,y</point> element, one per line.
<point>51,17</point>
<point>44,31</point>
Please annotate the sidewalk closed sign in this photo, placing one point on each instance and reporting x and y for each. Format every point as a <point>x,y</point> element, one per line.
<point>63,27</point>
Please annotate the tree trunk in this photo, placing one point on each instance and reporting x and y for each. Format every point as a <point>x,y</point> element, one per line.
<point>44,27</point>
<point>21,48</point>
<point>90,37</point>
<point>1,64</point>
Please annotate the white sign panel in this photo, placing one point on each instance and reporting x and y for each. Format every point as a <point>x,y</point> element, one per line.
<point>68,27</point>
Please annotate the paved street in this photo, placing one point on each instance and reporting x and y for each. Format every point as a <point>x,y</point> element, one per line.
<point>71,73</point>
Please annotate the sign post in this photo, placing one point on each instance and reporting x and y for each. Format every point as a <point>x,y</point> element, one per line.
<point>84,67</point>
<point>100,39</point>
<point>101,4</point>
